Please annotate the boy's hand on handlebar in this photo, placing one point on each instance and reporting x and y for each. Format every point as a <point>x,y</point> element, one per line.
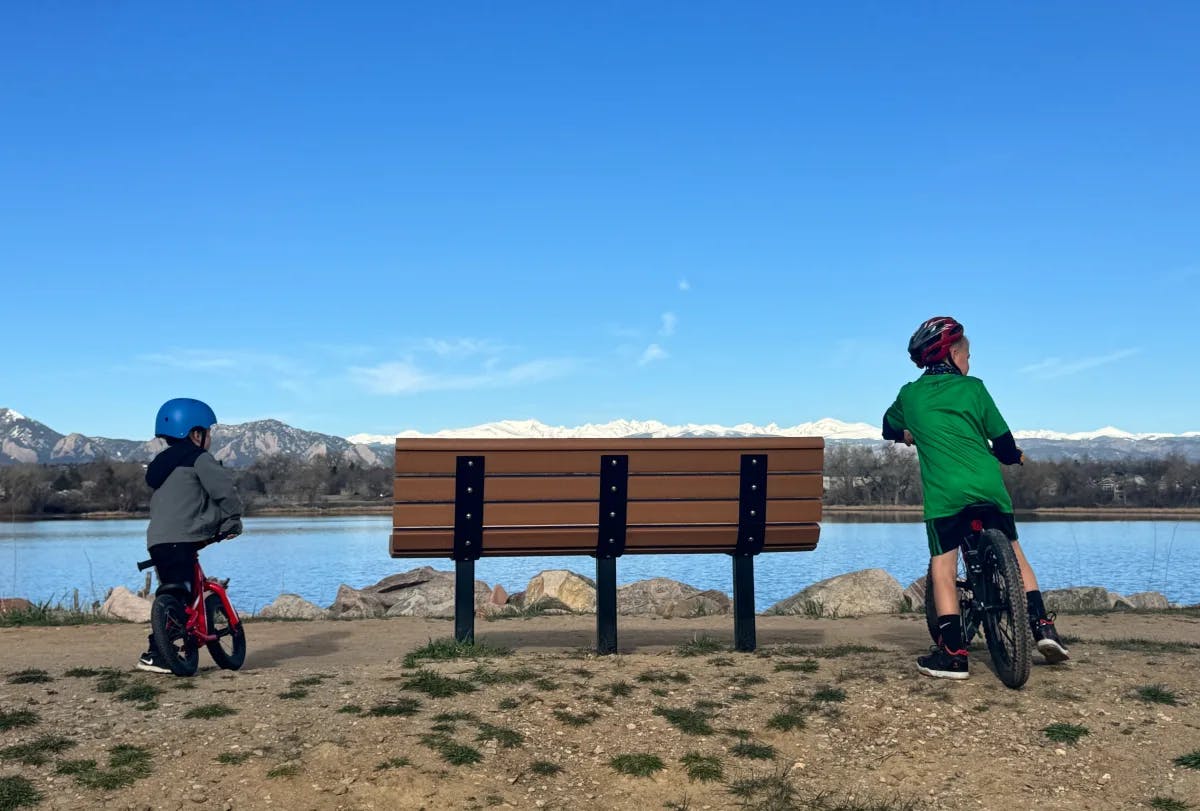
<point>908,437</point>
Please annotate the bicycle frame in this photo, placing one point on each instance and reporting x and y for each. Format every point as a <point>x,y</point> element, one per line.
<point>197,624</point>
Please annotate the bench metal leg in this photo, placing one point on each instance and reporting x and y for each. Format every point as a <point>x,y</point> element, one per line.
<point>464,601</point>
<point>606,605</point>
<point>743,603</point>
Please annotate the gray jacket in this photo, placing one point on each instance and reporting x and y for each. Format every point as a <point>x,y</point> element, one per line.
<point>194,498</point>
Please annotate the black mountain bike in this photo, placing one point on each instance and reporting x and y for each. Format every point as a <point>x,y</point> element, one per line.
<point>991,597</point>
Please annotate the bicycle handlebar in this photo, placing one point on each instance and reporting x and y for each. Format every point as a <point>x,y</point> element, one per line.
<point>146,564</point>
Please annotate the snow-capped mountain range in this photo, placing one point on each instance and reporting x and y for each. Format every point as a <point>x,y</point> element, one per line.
<point>26,440</point>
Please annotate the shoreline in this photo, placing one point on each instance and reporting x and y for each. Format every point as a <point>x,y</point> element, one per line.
<point>829,511</point>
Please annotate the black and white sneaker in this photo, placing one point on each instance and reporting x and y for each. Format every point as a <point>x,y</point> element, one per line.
<point>151,662</point>
<point>1048,643</point>
<point>942,663</point>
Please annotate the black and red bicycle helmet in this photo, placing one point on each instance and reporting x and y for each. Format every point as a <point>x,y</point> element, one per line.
<point>931,342</point>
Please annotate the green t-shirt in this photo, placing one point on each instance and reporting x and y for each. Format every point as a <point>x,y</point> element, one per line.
<point>951,418</point>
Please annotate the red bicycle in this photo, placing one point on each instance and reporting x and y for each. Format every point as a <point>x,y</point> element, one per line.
<point>185,616</point>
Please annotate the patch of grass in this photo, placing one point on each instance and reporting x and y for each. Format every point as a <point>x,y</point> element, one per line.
<point>140,692</point>
<point>805,666</point>
<point>308,681</point>
<point>826,652</point>
<point>508,703</point>
<point>233,758</point>
<point>748,680</point>
<point>545,684</point>
<point>401,707</point>
<point>284,770</point>
<point>453,717</point>
<point>293,695</point>
<point>689,722</point>
<point>741,695</point>
<point>545,768</point>
<point>637,765</point>
<point>786,721</point>
<point>29,676</point>
<point>206,711</point>
<point>1189,761</point>
<point>1160,803</point>
<point>448,649</point>
<point>664,676</point>
<point>126,765</point>
<point>37,752</point>
<point>707,704</point>
<point>700,646</point>
<point>17,792</point>
<point>581,672</point>
<point>1139,645</point>
<point>1065,733</point>
<point>661,692</point>
<point>619,689</point>
<point>456,754</point>
<point>722,661</point>
<point>393,763</point>
<point>485,675</point>
<point>705,768</point>
<point>768,791</point>
<point>111,681</point>
<point>753,751</point>
<point>350,709</point>
<point>82,673</point>
<point>17,718</point>
<point>435,685</point>
<point>507,738</point>
<point>829,695</point>
<point>1156,694</point>
<point>573,720</point>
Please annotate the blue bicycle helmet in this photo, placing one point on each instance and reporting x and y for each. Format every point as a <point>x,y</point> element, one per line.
<point>178,417</point>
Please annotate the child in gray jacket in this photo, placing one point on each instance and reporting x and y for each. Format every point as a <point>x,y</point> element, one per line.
<point>195,499</point>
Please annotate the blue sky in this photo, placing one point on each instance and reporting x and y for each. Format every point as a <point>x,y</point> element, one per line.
<point>376,217</point>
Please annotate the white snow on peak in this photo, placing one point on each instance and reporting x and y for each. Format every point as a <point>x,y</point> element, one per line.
<point>8,414</point>
<point>528,429</point>
<point>1107,432</point>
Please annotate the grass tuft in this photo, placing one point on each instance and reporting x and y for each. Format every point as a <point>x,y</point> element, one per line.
<point>207,711</point>
<point>456,754</point>
<point>1065,733</point>
<point>393,763</point>
<point>753,751</point>
<point>637,765</point>
<point>30,676</point>
<point>1157,694</point>
<point>507,738</point>
<point>700,646</point>
<point>573,720</point>
<point>705,768</point>
<point>545,768</point>
<point>805,666</point>
<point>292,695</point>
<point>350,709</point>
<point>448,649</point>
<point>829,695</point>
<point>82,673</point>
<point>145,693</point>
<point>690,722</point>
<point>233,758</point>
<point>1189,761</point>
<point>37,752</point>
<point>1161,803</point>
<point>509,703</point>
<point>17,718</point>
<point>435,685</point>
<point>664,676</point>
<point>786,721</point>
<point>284,770</point>
<point>401,707</point>
<point>17,792</point>
<point>620,689</point>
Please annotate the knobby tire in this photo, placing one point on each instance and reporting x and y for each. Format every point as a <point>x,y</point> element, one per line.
<point>168,623</point>
<point>1006,618</point>
<point>229,649</point>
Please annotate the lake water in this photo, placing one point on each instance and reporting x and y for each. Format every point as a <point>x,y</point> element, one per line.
<point>48,560</point>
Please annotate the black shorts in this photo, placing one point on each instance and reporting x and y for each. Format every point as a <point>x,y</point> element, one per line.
<point>946,534</point>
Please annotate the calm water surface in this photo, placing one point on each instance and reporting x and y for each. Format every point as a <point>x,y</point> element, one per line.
<point>48,560</point>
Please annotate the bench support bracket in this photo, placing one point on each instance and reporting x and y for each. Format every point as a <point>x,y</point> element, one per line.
<point>606,605</point>
<point>744,638</point>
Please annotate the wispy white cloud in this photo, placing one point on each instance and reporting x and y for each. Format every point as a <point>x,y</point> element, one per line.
<point>1051,368</point>
<point>407,377</point>
<point>652,353</point>
<point>684,285</point>
<point>669,322</point>
<point>461,347</point>
<point>248,362</point>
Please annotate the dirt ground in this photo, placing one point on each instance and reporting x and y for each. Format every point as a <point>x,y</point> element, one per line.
<point>827,714</point>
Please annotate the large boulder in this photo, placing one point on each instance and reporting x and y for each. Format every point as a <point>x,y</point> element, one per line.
<point>292,607</point>
<point>1082,598</point>
<point>123,604</point>
<point>1148,599</point>
<point>663,597</point>
<point>574,591</point>
<point>14,604</point>
<point>870,591</point>
<point>914,595</point>
<point>423,592</point>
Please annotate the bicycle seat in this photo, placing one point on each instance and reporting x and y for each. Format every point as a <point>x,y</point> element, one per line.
<point>181,590</point>
<point>983,511</point>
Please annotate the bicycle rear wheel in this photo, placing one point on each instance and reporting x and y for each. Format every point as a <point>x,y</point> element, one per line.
<point>168,623</point>
<point>969,623</point>
<point>229,649</point>
<point>1001,594</point>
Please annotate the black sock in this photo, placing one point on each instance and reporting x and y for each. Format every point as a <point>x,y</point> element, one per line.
<point>1037,610</point>
<point>951,632</point>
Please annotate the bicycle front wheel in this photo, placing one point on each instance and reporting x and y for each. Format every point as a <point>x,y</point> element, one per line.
<point>168,624</point>
<point>1001,595</point>
<point>228,650</point>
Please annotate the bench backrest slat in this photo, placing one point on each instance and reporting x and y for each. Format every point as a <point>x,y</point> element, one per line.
<point>585,461</point>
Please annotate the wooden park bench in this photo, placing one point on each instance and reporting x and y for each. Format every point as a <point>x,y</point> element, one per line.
<point>470,498</point>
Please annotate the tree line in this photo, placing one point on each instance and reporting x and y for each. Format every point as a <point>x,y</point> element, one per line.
<point>855,475</point>
<point>890,475</point>
<point>113,486</point>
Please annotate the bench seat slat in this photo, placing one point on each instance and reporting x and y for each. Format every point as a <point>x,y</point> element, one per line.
<point>703,460</point>
<point>647,487</point>
<point>424,542</point>
<point>585,513</point>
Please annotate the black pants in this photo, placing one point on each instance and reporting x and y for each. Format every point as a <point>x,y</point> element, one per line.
<point>174,563</point>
